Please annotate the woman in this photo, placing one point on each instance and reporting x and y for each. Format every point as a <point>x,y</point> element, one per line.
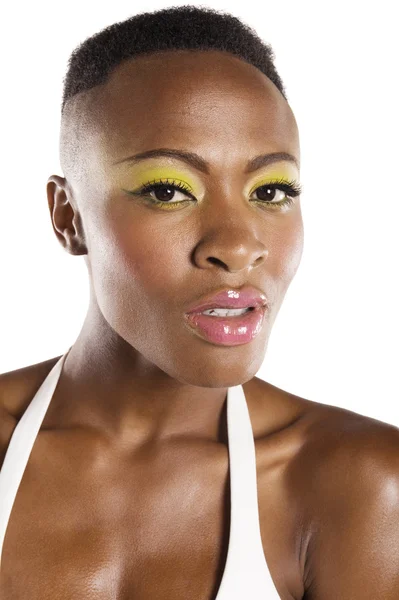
<point>149,460</point>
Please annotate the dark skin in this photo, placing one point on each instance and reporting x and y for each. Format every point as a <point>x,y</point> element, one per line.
<point>140,275</point>
<point>138,417</point>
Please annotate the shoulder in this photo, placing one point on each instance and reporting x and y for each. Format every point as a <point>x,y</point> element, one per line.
<point>17,387</point>
<point>342,481</point>
<point>345,448</point>
<point>343,454</point>
<point>349,490</point>
<point>332,436</point>
<point>330,477</point>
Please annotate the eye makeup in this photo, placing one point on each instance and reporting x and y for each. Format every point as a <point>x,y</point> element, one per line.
<point>142,177</point>
<point>280,181</point>
<point>288,175</point>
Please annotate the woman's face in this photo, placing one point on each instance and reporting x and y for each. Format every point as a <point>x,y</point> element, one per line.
<point>149,262</point>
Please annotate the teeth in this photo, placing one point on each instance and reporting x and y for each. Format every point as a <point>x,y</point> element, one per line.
<point>225,312</point>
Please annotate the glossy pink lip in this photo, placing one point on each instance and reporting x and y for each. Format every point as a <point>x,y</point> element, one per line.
<point>227,331</point>
<point>230,298</point>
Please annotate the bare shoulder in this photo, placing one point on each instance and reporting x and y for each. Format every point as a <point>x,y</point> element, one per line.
<point>347,448</point>
<point>340,448</point>
<point>17,387</point>
<point>331,434</point>
<point>352,492</point>
<point>344,477</point>
<point>341,482</point>
<point>331,446</point>
<point>334,455</point>
<point>349,461</point>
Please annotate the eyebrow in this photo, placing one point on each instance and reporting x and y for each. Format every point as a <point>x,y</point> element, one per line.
<point>196,161</point>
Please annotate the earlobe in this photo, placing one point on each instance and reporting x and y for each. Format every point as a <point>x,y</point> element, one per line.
<point>65,219</point>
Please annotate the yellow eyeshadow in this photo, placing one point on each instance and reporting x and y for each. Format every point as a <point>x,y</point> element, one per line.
<point>276,174</point>
<point>139,176</point>
<point>143,176</point>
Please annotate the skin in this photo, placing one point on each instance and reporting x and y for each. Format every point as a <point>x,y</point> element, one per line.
<point>147,265</point>
<point>137,419</point>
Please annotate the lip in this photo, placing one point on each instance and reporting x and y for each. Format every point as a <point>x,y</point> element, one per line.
<point>227,331</point>
<point>230,298</point>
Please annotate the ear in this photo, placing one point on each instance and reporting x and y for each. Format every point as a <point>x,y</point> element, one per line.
<point>66,220</point>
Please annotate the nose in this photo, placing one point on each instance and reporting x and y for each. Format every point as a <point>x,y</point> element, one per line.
<point>233,249</point>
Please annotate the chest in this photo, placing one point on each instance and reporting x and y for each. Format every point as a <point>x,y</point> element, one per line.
<point>92,523</point>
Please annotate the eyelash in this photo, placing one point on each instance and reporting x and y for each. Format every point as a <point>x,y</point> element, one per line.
<point>291,188</point>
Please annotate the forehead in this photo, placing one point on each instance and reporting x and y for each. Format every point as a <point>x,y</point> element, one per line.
<point>210,102</point>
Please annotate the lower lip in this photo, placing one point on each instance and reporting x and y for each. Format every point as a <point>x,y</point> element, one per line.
<point>228,331</point>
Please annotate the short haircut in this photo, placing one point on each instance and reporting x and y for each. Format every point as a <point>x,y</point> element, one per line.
<point>170,29</point>
<point>174,28</point>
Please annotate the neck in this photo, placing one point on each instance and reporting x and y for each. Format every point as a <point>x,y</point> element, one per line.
<point>108,385</point>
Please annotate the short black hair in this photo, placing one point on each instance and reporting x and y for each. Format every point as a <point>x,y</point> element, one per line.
<point>174,28</point>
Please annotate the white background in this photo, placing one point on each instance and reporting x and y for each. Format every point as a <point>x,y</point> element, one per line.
<point>335,339</point>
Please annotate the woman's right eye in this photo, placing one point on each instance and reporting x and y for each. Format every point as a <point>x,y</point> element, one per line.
<point>165,192</point>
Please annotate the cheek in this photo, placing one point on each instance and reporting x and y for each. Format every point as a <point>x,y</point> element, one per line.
<point>139,259</point>
<point>285,246</point>
<point>287,253</point>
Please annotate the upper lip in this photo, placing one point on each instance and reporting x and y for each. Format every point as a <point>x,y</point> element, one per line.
<point>245,297</point>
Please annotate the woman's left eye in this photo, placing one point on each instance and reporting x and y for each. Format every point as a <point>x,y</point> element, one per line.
<point>285,191</point>
<point>268,194</point>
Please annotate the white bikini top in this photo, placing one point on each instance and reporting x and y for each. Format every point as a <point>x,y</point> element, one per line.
<point>246,574</point>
